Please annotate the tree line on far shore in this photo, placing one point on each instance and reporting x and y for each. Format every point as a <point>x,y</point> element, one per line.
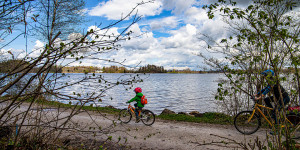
<point>9,65</point>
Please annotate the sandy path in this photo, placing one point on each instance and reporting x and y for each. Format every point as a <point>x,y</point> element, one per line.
<point>172,134</point>
<point>161,135</point>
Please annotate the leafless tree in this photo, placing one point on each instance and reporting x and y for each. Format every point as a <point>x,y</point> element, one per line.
<point>25,108</point>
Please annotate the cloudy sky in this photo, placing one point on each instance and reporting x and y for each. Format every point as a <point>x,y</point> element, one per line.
<point>169,32</point>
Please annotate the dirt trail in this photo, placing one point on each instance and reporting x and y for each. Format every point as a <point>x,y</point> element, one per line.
<point>175,135</point>
<point>179,135</point>
<point>160,136</point>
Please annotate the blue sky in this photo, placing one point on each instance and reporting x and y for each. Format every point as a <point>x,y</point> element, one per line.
<point>170,32</point>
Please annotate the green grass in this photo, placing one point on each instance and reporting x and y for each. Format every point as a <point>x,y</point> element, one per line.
<point>211,117</point>
<point>56,104</point>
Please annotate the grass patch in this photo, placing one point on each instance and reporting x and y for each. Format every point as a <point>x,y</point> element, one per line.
<point>56,104</point>
<point>88,108</point>
<point>210,117</point>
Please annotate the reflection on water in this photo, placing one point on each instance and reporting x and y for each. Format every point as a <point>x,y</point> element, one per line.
<point>177,92</point>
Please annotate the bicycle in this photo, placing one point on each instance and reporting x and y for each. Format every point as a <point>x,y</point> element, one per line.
<point>146,116</point>
<point>248,122</point>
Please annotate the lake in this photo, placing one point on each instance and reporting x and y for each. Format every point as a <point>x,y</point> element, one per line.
<point>177,92</point>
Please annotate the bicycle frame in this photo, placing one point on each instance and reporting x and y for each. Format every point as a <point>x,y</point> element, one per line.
<point>131,108</point>
<point>256,107</point>
<point>248,122</point>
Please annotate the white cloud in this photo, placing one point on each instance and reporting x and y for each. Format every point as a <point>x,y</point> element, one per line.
<point>115,9</point>
<point>136,31</point>
<point>167,22</point>
<point>110,31</point>
<point>182,38</point>
<point>36,52</point>
<point>11,53</point>
<point>21,54</point>
<point>39,44</point>
<point>108,34</point>
<point>239,3</point>
<point>148,50</point>
<point>140,40</point>
<point>195,15</point>
<point>4,54</point>
<point>75,36</point>
<point>214,28</point>
<point>178,6</point>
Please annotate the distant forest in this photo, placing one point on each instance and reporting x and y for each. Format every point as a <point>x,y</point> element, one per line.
<point>9,65</point>
<point>117,69</point>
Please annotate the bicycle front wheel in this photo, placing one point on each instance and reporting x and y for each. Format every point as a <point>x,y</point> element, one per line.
<point>125,116</point>
<point>147,117</point>
<point>295,120</point>
<point>244,125</point>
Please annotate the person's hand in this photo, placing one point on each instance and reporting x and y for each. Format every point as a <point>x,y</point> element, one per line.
<point>257,97</point>
<point>254,97</point>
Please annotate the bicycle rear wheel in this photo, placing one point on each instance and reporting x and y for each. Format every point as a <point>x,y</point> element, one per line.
<point>147,117</point>
<point>243,125</point>
<point>295,120</point>
<point>125,116</point>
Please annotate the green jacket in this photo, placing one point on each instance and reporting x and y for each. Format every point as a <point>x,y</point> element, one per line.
<point>137,98</point>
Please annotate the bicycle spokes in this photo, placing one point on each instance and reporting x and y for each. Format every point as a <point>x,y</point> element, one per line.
<point>246,122</point>
<point>147,117</point>
<point>125,116</point>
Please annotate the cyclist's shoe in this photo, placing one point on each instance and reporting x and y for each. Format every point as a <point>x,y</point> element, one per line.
<point>137,120</point>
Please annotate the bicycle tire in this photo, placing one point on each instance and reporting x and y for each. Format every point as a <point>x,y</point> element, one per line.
<point>125,116</point>
<point>147,117</point>
<point>243,126</point>
<point>295,120</point>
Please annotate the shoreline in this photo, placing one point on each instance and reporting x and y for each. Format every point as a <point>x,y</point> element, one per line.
<point>138,73</point>
<point>166,114</point>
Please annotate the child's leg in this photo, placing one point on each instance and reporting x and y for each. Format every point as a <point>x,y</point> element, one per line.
<point>136,110</point>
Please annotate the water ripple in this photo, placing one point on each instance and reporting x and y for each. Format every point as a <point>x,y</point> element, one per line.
<point>177,92</point>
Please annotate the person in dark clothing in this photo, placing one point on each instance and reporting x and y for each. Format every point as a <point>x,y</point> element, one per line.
<point>276,89</point>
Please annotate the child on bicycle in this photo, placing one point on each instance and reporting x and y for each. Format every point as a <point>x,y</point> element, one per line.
<point>138,105</point>
<point>277,90</point>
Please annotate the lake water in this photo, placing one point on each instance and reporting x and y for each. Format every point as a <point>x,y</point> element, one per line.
<point>177,92</point>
